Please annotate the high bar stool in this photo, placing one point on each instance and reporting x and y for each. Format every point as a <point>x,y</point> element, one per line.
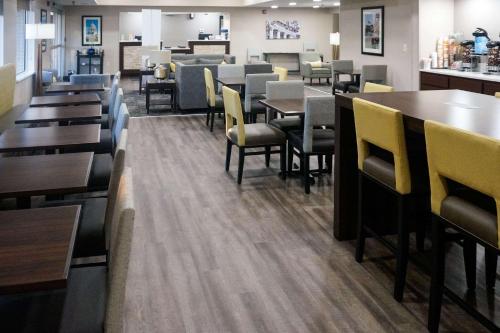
<point>465,196</point>
<point>383,161</point>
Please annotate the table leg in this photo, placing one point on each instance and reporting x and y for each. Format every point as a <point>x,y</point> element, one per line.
<point>140,83</point>
<point>23,202</point>
<point>147,98</point>
<point>345,179</point>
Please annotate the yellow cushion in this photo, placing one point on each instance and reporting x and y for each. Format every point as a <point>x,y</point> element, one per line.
<point>172,67</point>
<point>282,73</point>
<point>209,87</point>
<point>383,127</point>
<point>374,87</point>
<point>7,87</point>
<point>234,113</point>
<point>316,64</point>
<point>223,62</point>
<point>497,95</point>
<point>467,158</point>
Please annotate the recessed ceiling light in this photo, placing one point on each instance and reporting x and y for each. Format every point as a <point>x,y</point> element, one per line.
<point>274,6</point>
<point>316,0</point>
<point>292,4</point>
<point>336,4</point>
<point>315,6</point>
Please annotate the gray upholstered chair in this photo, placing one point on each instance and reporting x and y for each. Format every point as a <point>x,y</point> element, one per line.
<point>317,138</point>
<point>284,90</point>
<point>255,89</point>
<point>344,66</point>
<point>106,143</point>
<point>229,70</point>
<point>258,68</point>
<point>370,73</point>
<point>94,298</point>
<point>104,79</point>
<point>313,67</point>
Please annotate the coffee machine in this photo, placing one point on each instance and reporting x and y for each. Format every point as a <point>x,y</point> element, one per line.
<point>493,65</point>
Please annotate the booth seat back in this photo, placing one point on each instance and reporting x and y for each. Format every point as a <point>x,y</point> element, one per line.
<point>105,79</point>
<point>7,87</point>
<point>227,58</point>
<point>191,90</point>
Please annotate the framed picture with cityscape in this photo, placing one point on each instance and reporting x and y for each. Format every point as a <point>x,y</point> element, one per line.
<point>372,31</point>
<point>277,29</point>
<point>91,30</point>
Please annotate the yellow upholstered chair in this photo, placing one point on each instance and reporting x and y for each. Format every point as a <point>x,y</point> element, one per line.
<point>282,73</point>
<point>214,101</point>
<point>383,160</point>
<point>375,87</point>
<point>249,135</point>
<point>7,87</point>
<point>497,95</point>
<point>465,195</point>
<point>172,67</point>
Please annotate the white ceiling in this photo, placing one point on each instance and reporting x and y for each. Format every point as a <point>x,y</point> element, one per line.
<point>203,3</point>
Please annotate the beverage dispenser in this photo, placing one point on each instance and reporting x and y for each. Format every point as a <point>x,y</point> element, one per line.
<point>467,53</point>
<point>493,56</point>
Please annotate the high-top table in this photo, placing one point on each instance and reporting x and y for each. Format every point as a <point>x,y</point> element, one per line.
<point>56,174</point>
<point>292,106</point>
<point>61,100</point>
<point>465,110</point>
<point>231,81</point>
<point>74,88</point>
<point>36,246</point>
<point>60,114</point>
<point>55,137</point>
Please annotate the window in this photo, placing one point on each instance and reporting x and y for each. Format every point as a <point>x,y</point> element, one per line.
<point>1,32</point>
<point>58,44</point>
<point>21,44</point>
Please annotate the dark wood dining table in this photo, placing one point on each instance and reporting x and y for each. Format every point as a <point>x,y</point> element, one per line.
<point>55,137</point>
<point>231,81</point>
<point>62,100</point>
<point>23,177</point>
<point>465,110</point>
<point>74,88</point>
<point>292,106</point>
<point>36,246</point>
<point>60,114</point>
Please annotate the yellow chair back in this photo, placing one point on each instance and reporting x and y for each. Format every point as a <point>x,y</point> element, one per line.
<point>375,87</point>
<point>497,95</point>
<point>234,113</point>
<point>467,158</point>
<point>282,73</point>
<point>209,86</point>
<point>383,127</point>
<point>7,87</point>
<point>172,67</point>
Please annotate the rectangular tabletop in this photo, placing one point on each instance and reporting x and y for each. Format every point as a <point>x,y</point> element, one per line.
<point>61,100</point>
<point>36,246</point>
<point>27,176</point>
<point>74,88</point>
<point>60,113</point>
<point>292,106</point>
<point>54,137</point>
<point>231,81</point>
<point>466,110</point>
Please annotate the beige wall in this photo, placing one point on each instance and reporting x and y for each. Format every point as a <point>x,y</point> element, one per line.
<point>435,21</point>
<point>247,30</point>
<point>401,39</point>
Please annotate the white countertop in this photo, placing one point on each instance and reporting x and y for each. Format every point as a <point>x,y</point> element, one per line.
<point>468,75</point>
<point>208,40</point>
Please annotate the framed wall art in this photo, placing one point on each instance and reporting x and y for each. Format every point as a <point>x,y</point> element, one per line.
<point>372,31</point>
<point>277,29</point>
<point>91,30</point>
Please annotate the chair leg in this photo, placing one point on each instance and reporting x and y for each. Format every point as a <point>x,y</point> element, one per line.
<point>328,80</point>
<point>491,259</point>
<point>437,275</point>
<point>241,162</point>
<point>470,253</point>
<point>208,116</point>
<point>311,82</point>
<point>320,163</point>
<point>329,163</point>
<point>212,120</point>
<point>402,250</point>
<point>283,161</point>
<point>360,242</point>
<point>228,153</point>
<point>290,158</point>
<point>420,235</point>
<point>307,185</point>
<point>268,156</point>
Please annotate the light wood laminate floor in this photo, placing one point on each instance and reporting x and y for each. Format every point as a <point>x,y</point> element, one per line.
<point>211,256</point>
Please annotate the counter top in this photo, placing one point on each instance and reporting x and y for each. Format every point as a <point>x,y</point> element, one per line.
<point>468,75</point>
<point>209,40</point>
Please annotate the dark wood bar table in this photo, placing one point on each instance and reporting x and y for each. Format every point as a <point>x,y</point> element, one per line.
<point>74,88</point>
<point>56,174</point>
<point>465,110</point>
<point>292,106</point>
<point>60,114</point>
<point>54,137</point>
<point>231,81</point>
<point>36,246</point>
<point>61,100</point>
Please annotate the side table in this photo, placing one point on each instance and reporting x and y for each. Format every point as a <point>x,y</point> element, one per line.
<point>167,86</point>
